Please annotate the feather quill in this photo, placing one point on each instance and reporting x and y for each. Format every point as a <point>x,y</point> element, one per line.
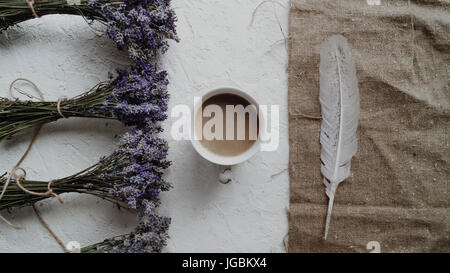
<point>339,99</point>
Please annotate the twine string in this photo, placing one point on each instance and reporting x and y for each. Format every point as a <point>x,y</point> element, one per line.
<point>13,174</point>
<point>31,5</point>
<point>41,94</point>
<point>260,5</point>
<point>18,178</point>
<point>10,224</point>
<point>285,38</point>
<point>58,106</point>
<point>38,214</point>
<point>48,193</point>
<point>11,88</point>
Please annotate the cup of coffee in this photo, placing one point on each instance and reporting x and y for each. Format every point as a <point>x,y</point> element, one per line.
<point>227,126</point>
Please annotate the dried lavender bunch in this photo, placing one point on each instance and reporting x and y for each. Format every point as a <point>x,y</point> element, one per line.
<point>131,175</point>
<point>140,26</point>
<point>137,97</point>
<point>150,236</point>
<point>13,12</point>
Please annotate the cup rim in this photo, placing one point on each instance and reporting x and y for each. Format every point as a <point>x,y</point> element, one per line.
<point>228,160</point>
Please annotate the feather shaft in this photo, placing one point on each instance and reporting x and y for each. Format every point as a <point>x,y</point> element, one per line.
<point>330,193</point>
<point>339,99</point>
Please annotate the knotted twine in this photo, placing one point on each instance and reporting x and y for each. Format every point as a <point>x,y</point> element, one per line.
<point>18,178</point>
<point>31,5</point>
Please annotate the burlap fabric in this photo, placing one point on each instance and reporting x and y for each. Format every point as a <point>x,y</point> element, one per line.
<point>398,193</point>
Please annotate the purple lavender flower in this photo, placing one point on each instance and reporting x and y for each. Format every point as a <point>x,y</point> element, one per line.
<point>136,169</point>
<point>141,27</point>
<point>137,97</point>
<point>150,236</point>
<point>133,175</point>
<point>140,96</point>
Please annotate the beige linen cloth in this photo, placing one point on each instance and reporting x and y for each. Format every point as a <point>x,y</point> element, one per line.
<point>398,195</point>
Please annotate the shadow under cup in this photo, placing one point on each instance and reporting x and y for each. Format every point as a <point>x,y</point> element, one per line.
<point>227,126</point>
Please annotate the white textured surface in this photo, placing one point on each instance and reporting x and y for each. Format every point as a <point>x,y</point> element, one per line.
<point>218,47</point>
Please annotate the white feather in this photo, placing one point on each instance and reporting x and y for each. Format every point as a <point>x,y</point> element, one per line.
<point>339,99</point>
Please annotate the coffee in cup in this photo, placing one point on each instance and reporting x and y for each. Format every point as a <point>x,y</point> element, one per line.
<point>227,126</point>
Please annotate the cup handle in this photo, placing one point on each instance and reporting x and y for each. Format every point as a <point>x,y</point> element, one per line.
<point>226,175</point>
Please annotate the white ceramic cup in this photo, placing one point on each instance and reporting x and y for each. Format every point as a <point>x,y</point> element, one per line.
<point>228,160</point>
